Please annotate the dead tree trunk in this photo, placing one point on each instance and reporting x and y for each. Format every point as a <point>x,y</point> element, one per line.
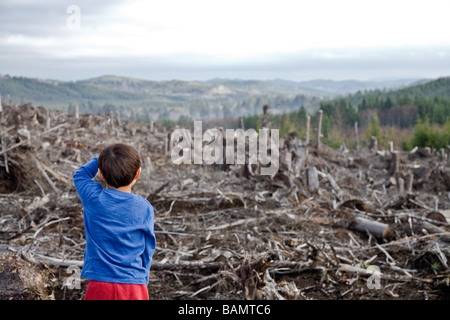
<point>241,123</point>
<point>167,144</point>
<point>148,166</point>
<point>373,144</point>
<point>356,137</point>
<point>299,157</point>
<point>391,146</point>
<point>401,185</point>
<point>409,182</point>
<point>265,116</point>
<point>442,155</point>
<point>119,122</point>
<point>308,120</point>
<point>2,141</point>
<point>47,178</point>
<point>333,183</point>
<point>76,112</point>
<point>313,180</point>
<point>47,120</point>
<point>319,129</point>
<point>152,126</point>
<point>111,115</point>
<point>395,163</point>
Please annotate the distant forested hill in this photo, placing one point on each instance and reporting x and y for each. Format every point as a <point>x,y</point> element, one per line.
<point>403,107</point>
<point>344,87</point>
<point>420,111</point>
<point>138,98</point>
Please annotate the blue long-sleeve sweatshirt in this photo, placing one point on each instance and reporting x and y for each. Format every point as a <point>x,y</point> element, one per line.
<point>120,239</point>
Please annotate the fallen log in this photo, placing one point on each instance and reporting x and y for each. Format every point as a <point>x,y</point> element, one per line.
<point>49,180</point>
<point>235,223</point>
<point>58,176</point>
<point>377,229</point>
<point>333,183</point>
<point>371,272</point>
<point>38,258</point>
<point>158,266</point>
<point>445,236</point>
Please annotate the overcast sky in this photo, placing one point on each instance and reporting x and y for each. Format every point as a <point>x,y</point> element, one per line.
<point>204,39</point>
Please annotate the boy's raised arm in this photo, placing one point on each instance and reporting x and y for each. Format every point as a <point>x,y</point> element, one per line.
<point>82,179</point>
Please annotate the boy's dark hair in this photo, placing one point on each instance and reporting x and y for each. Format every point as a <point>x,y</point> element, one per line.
<point>119,164</point>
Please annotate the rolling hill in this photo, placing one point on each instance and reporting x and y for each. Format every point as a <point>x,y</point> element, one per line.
<point>344,87</point>
<point>139,98</point>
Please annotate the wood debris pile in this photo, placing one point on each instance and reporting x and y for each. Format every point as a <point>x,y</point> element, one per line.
<point>330,224</point>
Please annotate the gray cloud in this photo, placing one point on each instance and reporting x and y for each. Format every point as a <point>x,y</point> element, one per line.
<point>399,63</point>
<point>47,19</point>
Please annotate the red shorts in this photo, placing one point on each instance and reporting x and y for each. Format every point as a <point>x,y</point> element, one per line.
<point>99,290</point>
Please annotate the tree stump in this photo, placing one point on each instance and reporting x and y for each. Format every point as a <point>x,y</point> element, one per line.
<point>20,279</point>
<point>373,144</point>
<point>319,129</point>
<point>313,180</point>
<point>395,163</point>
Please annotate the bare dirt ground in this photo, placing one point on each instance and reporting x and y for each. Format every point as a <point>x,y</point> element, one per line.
<point>224,232</point>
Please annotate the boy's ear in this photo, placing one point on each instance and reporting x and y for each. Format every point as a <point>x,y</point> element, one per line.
<point>101,175</point>
<point>138,173</point>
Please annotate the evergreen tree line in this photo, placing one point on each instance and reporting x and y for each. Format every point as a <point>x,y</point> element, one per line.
<point>424,120</point>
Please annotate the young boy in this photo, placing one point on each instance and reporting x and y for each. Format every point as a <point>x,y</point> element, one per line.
<point>120,239</point>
